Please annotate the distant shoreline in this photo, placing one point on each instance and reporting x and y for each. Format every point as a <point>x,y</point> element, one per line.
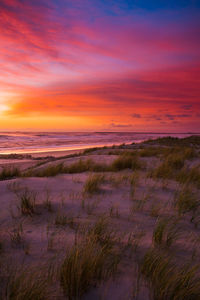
<point>41,150</point>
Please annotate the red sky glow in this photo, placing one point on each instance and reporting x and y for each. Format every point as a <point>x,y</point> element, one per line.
<point>115,66</point>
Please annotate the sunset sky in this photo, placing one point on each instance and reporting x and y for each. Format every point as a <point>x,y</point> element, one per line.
<point>103,65</point>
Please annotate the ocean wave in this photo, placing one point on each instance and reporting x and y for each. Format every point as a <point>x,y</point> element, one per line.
<point>14,142</point>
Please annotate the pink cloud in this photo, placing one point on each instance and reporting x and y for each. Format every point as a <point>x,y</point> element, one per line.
<point>68,63</point>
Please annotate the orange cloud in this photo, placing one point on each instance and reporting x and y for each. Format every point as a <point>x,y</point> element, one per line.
<point>86,70</point>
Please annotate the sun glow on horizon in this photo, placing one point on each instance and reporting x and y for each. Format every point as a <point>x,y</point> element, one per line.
<point>100,66</point>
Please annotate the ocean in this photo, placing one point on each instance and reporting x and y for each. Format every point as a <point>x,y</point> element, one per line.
<point>36,142</point>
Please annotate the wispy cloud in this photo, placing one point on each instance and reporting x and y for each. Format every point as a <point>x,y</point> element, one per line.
<point>113,125</point>
<point>98,58</point>
<point>137,116</point>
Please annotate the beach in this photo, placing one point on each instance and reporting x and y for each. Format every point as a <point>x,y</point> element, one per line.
<point>41,143</point>
<point>117,208</point>
<point>99,150</point>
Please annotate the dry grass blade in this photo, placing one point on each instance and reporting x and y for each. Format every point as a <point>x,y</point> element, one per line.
<point>126,161</point>
<point>27,200</point>
<point>92,184</point>
<point>186,201</point>
<point>89,262</point>
<point>24,284</point>
<point>166,232</point>
<point>8,173</point>
<point>169,281</point>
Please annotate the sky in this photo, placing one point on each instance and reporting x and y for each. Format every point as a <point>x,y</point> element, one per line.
<point>100,65</point>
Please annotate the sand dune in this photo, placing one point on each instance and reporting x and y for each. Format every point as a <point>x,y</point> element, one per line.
<point>144,199</point>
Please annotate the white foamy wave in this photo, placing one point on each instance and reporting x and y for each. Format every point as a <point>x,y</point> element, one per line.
<point>30,142</point>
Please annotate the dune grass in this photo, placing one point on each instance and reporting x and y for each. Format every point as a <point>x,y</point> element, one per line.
<point>14,187</point>
<point>92,184</point>
<point>104,235</point>
<point>150,151</point>
<point>1,246</point>
<point>173,164</point>
<point>175,161</point>
<point>62,219</point>
<point>95,255</point>
<point>166,232</point>
<point>85,165</point>
<point>117,180</point>
<point>133,179</point>
<point>49,171</point>
<point>84,266</point>
<point>16,234</point>
<point>155,210</point>
<point>23,284</point>
<point>188,176</point>
<point>128,160</point>
<point>163,171</point>
<point>8,173</point>
<point>79,166</point>
<point>90,205</point>
<point>167,281</point>
<point>27,199</point>
<point>114,211</point>
<point>186,201</point>
<point>188,153</point>
<point>158,151</point>
<point>90,261</point>
<point>169,167</point>
<point>185,152</point>
<point>125,160</point>
<point>47,201</point>
<point>193,140</point>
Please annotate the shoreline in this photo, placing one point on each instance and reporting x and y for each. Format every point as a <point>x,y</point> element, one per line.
<point>81,143</point>
<point>60,152</point>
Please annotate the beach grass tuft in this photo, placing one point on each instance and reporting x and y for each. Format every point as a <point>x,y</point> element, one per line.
<point>186,201</point>
<point>27,199</point>
<point>166,232</point>
<point>8,173</point>
<point>90,261</point>
<point>127,160</point>
<point>169,281</point>
<point>189,175</point>
<point>92,184</point>
<point>24,284</point>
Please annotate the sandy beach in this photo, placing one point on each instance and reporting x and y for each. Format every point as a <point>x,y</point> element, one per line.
<point>99,150</point>
<point>118,206</point>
